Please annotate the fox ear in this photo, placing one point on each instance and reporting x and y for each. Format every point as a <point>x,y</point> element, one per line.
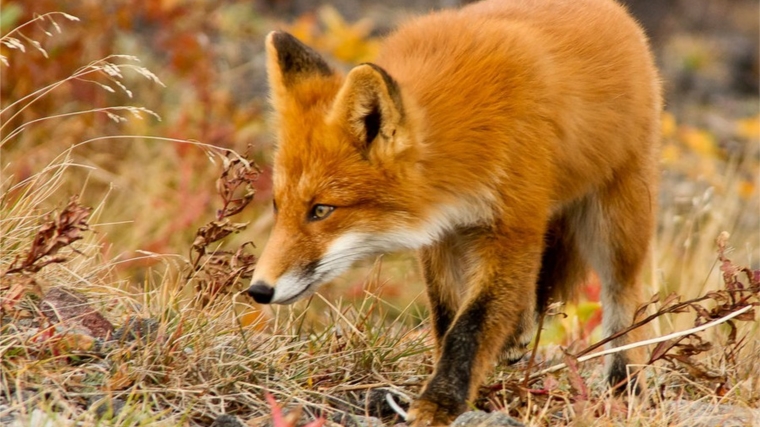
<point>370,104</point>
<point>289,61</point>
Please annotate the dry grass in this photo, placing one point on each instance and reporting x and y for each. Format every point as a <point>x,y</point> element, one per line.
<point>189,359</point>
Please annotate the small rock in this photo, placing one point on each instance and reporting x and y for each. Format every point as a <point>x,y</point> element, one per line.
<point>67,306</point>
<point>485,419</point>
<point>137,328</point>
<point>704,414</point>
<point>348,420</point>
<point>8,415</point>
<point>107,407</point>
<point>227,421</point>
<point>37,418</point>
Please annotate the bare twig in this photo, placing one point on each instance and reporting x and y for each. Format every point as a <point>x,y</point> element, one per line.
<point>694,330</point>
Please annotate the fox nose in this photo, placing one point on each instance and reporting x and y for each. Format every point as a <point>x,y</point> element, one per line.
<point>261,292</point>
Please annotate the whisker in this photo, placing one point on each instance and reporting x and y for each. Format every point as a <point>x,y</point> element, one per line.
<point>346,258</point>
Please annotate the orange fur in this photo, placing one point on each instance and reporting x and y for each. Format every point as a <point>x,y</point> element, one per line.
<point>512,143</point>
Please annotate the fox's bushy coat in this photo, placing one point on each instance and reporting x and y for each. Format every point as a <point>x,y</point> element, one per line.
<point>512,143</point>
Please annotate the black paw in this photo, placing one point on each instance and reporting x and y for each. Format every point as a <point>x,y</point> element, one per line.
<point>619,379</point>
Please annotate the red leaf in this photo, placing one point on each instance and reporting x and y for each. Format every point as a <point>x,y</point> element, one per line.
<point>277,419</point>
<point>280,420</point>
<point>574,376</point>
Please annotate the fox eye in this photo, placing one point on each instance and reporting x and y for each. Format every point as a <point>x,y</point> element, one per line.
<point>319,212</point>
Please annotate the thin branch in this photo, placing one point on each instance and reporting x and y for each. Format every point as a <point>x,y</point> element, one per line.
<point>694,330</point>
<point>665,310</point>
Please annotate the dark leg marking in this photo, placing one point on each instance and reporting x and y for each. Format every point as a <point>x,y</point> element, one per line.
<point>450,386</point>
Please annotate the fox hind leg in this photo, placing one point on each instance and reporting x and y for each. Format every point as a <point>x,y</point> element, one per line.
<point>613,227</point>
<point>562,268</point>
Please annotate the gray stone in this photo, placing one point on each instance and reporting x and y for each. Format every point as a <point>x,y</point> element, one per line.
<point>137,328</point>
<point>485,419</point>
<point>108,408</point>
<point>705,414</point>
<point>227,421</point>
<point>348,420</point>
<point>9,415</point>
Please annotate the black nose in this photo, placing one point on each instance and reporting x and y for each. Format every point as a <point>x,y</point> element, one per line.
<point>261,292</point>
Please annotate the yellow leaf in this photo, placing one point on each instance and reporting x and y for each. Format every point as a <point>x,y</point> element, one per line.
<point>553,333</point>
<point>668,125</point>
<point>304,28</point>
<point>749,128</point>
<point>332,19</point>
<point>77,342</point>
<point>120,379</point>
<point>587,309</point>
<point>746,189</point>
<point>347,42</point>
<point>700,141</point>
<point>670,154</point>
<point>253,319</point>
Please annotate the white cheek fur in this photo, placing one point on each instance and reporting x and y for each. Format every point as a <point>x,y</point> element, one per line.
<point>351,247</point>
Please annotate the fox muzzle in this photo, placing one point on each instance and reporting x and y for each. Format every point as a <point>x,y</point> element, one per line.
<point>261,292</point>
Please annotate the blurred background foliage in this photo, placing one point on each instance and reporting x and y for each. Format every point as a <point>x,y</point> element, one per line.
<point>151,195</point>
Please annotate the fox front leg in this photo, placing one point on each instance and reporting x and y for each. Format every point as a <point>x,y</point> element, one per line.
<point>501,289</point>
<point>443,267</point>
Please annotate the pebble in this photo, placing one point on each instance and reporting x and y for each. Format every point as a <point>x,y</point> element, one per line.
<point>227,421</point>
<point>486,419</point>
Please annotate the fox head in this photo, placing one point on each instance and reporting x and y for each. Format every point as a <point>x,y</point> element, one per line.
<point>346,179</point>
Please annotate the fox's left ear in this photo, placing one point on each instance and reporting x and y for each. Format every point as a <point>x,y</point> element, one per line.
<point>370,104</point>
<point>290,62</point>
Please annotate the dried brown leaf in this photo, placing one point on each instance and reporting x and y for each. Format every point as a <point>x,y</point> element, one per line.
<point>238,175</point>
<point>661,350</point>
<point>577,383</point>
<point>58,231</point>
<point>121,379</point>
<point>703,316</point>
<point>216,231</point>
<point>747,316</point>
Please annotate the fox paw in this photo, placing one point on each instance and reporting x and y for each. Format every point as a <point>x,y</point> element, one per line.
<point>425,413</point>
<point>618,377</point>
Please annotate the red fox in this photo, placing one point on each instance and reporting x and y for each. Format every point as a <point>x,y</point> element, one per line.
<point>512,144</point>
